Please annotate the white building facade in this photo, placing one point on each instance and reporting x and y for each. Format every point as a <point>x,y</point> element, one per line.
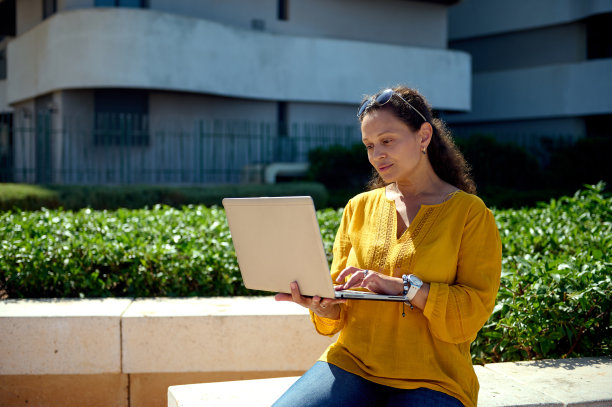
<point>181,65</point>
<point>540,67</point>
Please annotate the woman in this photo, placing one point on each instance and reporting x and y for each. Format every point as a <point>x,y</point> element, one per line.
<point>419,232</point>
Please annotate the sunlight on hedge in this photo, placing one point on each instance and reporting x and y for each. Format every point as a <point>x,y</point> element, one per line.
<point>554,300</point>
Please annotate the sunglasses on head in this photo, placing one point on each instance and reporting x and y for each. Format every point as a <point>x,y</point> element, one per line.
<point>383,98</point>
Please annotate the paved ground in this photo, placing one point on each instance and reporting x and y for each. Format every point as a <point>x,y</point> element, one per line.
<point>568,382</point>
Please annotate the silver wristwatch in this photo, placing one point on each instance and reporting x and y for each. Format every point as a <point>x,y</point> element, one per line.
<point>415,285</point>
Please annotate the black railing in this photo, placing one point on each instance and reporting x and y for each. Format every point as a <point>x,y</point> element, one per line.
<point>135,149</point>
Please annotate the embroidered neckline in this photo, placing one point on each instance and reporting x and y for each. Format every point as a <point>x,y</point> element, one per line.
<point>380,255</point>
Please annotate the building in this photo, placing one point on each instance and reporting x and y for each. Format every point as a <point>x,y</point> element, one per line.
<point>200,91</point>
<point>540,68</point>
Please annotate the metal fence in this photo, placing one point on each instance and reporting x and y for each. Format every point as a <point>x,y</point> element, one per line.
<point>137,149</point>
<point>130,149</point>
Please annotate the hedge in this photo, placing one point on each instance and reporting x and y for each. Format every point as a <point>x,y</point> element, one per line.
<point>506,175</point>
<point>27,197</point>
<point>555,296</point>
<point>554,301</point>
<point>75,197</point>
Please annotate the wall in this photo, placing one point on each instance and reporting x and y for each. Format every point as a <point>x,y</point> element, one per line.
<point>532,72</point>
<point>191,138</point>
<point>542,92</point>
<point>487,17</point>
<point>526,132</point>
<point>188,107</point>
<point>24,141</point>
<point>29,14</point>
<point>325,113</point>
<point>4,106</point>
<point>65,5</point>
<point>541,46</point>
<point>178,53</point>
<point>399,22</point>
<point>120,352</point>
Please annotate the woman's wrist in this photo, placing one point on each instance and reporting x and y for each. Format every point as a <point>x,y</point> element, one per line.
<point>333,313</point>
<point>399,283</point>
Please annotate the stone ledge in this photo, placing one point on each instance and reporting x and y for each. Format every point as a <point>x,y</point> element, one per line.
<point>98,390</point>
<point>100,336</point>
<point>218,334</point>
<point>151,343</point>
<point>63,337</point>
<point>551,383</point>
<point>163,342</point>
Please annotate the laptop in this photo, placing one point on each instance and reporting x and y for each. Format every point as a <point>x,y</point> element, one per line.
<point>278,241</point>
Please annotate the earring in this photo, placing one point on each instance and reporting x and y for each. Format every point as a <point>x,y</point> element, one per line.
<point>424,151</point>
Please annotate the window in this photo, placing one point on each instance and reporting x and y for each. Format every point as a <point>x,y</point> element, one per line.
<point>2,64</point>
<point>283,10</point>
<point>284,147</point>
<point>122,3</point>
<point>599,40</point>
<point>258,24</point>
<point>598,125</point>
<point>282,119</point>
<point>6,147</point>
<point>49,8</point>
<point>121,117</point>
<point>8,18</point>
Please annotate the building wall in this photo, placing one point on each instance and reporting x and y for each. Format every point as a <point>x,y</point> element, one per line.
<point>551,45</point>
<point>391,21</point>
<point>541,92</point>
<point>28,15</point>
<point>229,84</point>
<point>179,54</point>
<point>185,108</point>
<point>65,5</point>
<point>4,106</point>
<point>566,127</point>
<point>533,72</point>
<point>324,113</point>
<point>480,18</point>
<point>191,139</point>
<point>24,141</point>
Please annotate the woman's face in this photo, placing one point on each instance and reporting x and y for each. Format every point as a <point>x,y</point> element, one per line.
<point>394,150</point>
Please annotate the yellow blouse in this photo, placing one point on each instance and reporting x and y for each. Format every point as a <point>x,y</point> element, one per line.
<point>454,246</point>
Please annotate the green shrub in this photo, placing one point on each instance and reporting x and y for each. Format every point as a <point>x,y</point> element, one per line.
<point>511,198</point>
<point>554,300</point>
<point>27,197</point>
<point>556,288</point>
<point>500,164</point>
<point>345,171</point>
<point>125,253</point>
<point>75,197</point>
<point>133,253</point>
<point>585,162</point>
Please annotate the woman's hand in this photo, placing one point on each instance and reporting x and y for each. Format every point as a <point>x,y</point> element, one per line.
<point>323,307</point>
<point>381,284</point>
<point>373,281</point>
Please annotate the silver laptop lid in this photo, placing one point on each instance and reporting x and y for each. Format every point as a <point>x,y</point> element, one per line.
<point>277,241</point>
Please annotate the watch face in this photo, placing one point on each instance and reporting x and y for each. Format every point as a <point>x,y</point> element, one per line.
<point>415,281</point>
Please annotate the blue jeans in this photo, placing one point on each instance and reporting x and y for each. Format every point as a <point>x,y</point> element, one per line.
<point>326,385</point>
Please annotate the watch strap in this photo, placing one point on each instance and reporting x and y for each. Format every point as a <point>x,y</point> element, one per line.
<point>412,292</point>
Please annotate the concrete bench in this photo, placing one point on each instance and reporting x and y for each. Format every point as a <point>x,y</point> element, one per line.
<point>124,352</point>
<point>554,383</point>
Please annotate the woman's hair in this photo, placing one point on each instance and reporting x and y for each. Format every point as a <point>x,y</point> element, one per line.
<point>444,155</point>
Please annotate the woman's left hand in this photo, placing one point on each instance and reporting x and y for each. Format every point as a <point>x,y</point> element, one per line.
<point>373,281</point>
